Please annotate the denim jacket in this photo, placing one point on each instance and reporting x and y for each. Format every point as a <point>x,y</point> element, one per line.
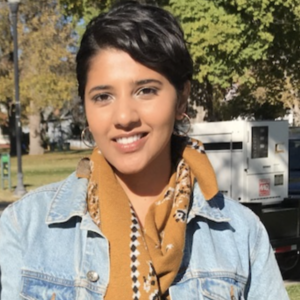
<point>51,249</point>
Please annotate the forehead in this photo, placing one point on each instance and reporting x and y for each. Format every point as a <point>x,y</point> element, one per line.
<point>113,64</point>
<point>113,60</point>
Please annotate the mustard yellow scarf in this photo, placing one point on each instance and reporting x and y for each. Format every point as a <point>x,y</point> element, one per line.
<point>144,261</point>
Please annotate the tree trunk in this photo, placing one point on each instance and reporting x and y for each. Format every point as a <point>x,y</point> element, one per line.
<point>210,113</point>
<point>35,140</point>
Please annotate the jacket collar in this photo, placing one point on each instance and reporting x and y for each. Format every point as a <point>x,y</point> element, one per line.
<point>70,200</point>
<point>210,210</point>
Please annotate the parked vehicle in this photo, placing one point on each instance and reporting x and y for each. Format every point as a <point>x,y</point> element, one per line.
<point>251,161</point>
<point>294,161</point>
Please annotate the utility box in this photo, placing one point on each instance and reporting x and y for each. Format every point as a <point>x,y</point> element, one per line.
<point>5,170</point>
<point>250,158</point>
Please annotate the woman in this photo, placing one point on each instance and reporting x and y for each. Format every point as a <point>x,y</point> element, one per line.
<point>142,218</point>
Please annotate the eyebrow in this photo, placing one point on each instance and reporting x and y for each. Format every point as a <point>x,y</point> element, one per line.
<point>146,81</point>
<point>138,83</point>
<point>100,88</point>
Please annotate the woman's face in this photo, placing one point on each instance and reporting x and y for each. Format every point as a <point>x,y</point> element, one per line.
<point>131,111</point>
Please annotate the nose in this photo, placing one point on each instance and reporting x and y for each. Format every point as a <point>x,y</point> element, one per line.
<point>126,113</point>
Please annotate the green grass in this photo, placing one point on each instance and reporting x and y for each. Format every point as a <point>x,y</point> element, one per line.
<point>294,291</point>
<point>42,169</point>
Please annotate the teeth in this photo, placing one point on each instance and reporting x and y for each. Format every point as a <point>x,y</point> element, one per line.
<point>129,140</point>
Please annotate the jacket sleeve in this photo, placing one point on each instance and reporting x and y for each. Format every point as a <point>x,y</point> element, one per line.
<point>10,255</point>
<point>265,281</point>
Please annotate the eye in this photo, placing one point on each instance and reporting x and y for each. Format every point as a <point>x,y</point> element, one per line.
<point>148,91</point>
<point>101,98</point>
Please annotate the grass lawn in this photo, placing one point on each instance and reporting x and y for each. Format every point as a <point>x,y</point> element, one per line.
<point>294,291</point>
<point>42,169</point>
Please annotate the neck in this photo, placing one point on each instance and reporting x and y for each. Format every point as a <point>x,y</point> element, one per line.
<point>148,183</point>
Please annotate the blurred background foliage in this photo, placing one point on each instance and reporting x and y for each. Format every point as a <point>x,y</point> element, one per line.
<point>246,54</point>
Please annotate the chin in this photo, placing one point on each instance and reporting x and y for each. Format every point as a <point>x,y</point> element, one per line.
<point>128,169</point>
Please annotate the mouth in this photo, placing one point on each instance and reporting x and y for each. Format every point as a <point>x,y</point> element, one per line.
<point>129,139</point>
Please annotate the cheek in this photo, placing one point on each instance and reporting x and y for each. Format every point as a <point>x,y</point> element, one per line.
<point>167,115</point>
<point>94,121</point>
<point>164,110</point>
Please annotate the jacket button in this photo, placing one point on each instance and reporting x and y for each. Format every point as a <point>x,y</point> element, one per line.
<point>92,276</point>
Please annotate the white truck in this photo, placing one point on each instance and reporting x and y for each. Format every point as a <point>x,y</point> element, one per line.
<point>251,161</point>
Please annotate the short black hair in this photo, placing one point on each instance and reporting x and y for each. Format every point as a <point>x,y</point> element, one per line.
<point>149,34</point>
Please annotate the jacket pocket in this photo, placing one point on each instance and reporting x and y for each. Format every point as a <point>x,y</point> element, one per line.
<point>47,288</point>
<point>40,286</point>
<point>209,288</point>
<point>221,289</point>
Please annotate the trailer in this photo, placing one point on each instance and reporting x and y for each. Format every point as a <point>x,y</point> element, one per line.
<point>251,162</point>
<point>294,161</point>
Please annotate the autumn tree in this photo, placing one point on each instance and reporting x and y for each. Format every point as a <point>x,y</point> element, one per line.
<point>6,54</point>
<point>47,78</point>
<point>6,75</point>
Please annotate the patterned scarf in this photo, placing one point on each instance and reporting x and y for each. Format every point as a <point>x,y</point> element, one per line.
<point>144,261</point>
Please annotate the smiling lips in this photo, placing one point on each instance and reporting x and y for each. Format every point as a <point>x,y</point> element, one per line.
<point>130,143</point>
<point>129,140</point>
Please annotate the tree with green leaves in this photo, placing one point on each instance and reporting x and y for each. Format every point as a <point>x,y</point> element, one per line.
<point>251,45</point>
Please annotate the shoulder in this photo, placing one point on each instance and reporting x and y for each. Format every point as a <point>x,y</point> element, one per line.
<point>234,210</point>
<point>246,226</point>
<point>36,203</point>
<point>235,205</point>
<point>240,217</point>
<point>227,218</point>
<point>41,194</point>
<point>221,209</point>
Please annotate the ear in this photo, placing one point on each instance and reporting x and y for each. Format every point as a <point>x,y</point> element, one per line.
<point>182,100</point>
